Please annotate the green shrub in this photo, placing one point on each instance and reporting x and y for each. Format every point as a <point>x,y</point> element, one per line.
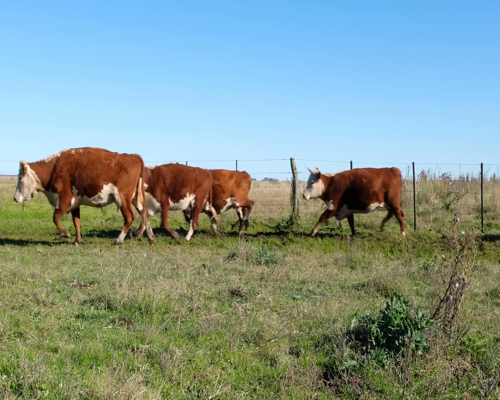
<point>396,329</point>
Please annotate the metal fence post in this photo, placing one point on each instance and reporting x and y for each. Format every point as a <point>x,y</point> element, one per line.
<point>236,165</point>
<point>351,164</point>
<point>186,163</point>
<point>414,199</point>
<point>482,198</point>
<point>294,198</point>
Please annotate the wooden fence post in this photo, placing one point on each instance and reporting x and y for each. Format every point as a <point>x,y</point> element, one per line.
<point>351,164</point>
<point>236,165</point>
<point>482,198</point>
<point>186,163</point>
<point>414,199</point>
<point>294,198</point>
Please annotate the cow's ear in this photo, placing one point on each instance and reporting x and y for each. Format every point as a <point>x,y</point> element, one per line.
<point>23,165</point>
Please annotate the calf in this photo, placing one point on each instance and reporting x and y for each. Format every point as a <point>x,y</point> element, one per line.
<point>177,187</point>
<point>87,176</point>
<point>360,190</point>
<point>230,190</point>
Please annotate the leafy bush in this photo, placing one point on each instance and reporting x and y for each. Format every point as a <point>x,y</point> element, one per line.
<point>266,257</point>
<point>396,329</point>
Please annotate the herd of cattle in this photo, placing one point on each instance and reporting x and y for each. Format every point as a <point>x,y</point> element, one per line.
<point>98,177</point>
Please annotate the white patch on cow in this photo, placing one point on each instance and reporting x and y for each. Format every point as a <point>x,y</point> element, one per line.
<point>121,237</point>
<point>329,204</point>
<point>73,152</point>
<point>230,203</point>
<point>183,204</point>
<point>108,194</point>
<point>152,205</point>
<point>344,212</point>
<point>191,230</point>
<point>49,158</point>
<point>315,187</point>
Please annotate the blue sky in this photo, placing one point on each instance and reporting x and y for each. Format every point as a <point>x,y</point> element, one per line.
<point>383,83</point>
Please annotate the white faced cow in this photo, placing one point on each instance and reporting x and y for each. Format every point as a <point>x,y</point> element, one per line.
<point>87,176</point>
<point>360,190</point>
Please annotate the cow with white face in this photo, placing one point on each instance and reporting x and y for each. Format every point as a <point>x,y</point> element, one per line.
<point>86,176</point>
<point>357,191</point>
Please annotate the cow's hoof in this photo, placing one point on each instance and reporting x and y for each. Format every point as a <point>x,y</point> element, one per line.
<point>76,243</point>
<point>175,235</point>
<point>117,242</point>
<point>65,235</point>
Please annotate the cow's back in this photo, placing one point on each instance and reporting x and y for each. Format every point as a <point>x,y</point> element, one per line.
<point>88,169</point>
<point>178,181</point>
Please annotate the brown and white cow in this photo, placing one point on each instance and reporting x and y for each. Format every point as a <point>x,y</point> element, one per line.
<point>177,187</point>
<point>230,190</point>
<point>360,190</point>
<point>87,176</point>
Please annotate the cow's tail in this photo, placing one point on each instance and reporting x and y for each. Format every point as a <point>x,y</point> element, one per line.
<point>142,203</point>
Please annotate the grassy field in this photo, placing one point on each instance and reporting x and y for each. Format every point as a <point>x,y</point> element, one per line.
<point>274,315</point>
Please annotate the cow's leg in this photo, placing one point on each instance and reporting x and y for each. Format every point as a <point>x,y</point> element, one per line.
<point>212,214</point>
<point>398,212</point>
<point>247,209</point>
<point>326,215</point>
<point>350,219</point>
<point>62,208</point>
<point>128,216</point>
<point>241,218</point>
<point>195,215</point>
<point>187,215</point>
<point>144,225</point>
<point>389,215</point>
<point>164,220</point>
<point>76,221</point>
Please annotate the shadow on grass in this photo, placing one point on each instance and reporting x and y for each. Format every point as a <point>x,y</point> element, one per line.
<point>24,242</point>
<point>491,237</point>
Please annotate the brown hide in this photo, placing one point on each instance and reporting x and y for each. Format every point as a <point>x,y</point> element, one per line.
<point>171,183</point>
<point>359,188</point>
<point>87,170</point>
<point>235,185</point>
<point>230,184</point>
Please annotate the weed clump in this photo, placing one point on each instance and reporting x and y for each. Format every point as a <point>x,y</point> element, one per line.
<point>397,328</point>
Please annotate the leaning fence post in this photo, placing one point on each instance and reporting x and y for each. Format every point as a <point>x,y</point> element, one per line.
<point>294,198</point>
<point>482,199</point>
<point>414,199</point>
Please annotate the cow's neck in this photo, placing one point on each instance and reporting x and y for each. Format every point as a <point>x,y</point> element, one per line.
<point>325,180</point>
<point>43,170</point>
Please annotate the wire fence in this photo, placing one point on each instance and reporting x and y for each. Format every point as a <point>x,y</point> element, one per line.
<point>432,195</point>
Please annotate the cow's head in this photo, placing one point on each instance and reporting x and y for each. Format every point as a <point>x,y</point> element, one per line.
<point>27,183</point>
<point>315,186</point>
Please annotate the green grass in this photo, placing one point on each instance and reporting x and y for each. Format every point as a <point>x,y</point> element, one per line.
<point>262,317</point>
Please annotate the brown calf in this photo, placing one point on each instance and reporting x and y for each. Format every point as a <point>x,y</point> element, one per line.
<point>230,190</point>
<point>360,190</point>
<point>177,187</point>
<point>87,176</point>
